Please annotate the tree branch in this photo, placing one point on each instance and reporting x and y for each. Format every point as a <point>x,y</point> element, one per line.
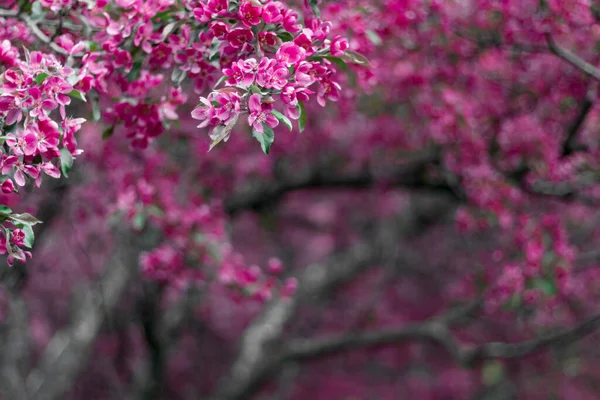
<point>69,348</point>
<point>410,175</point>
<point>569,146</point>
<point>255,358</point>
<point>436,330</point>
<point>573,59</point>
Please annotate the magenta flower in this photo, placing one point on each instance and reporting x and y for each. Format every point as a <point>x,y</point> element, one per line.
<point>11,105</point>
<point>48,135</point>
<point>290,21</point>
<point>239,74</point>
<point>50,169</point>
<point>250,13</point>
<point>289,54</point>
<point>8,186</point>
<point>12,162</point>
<point>70,126</point>
<point>37,103</point>
<point>271,13</point>
<point>320,30</point>
<point>260,112</point>
<point>328,90</point>
<point>304,40</point>
<point>267,39</point>
<point>272,75</point>
<point>18,237</point>
<point>338,46</point>
<point>238,37</point>
<point>219,29</point>
<point>290,96</point>
<point>218,7</point>
<point>205,112</point>
<point>23,143</point>
<point>8,54</point>
<point>228,105</point>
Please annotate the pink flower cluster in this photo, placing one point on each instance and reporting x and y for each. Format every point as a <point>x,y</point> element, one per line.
<point>34,94</point>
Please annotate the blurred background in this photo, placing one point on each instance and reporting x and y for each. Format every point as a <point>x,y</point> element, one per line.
<point>431,235</point>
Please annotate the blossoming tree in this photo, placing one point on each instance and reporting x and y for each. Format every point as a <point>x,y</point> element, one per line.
<point>262,199</point>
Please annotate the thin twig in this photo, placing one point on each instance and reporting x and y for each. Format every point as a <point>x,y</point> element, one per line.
<point>573,59</point>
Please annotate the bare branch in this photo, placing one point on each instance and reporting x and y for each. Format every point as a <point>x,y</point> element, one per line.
<point>255,357</point>
<point>436,330</point>
<point>573,59</point>
<point>41,36</point>
<point>412,174</point>
<point>586,105</point>
<point>69,348</point>
<point>13,357</point>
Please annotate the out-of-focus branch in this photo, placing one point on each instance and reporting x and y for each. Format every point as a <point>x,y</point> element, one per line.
<point>161,332</point>
<point>586,105</point>
<point>436,330</point>
<point>35,30</point>
<point>149,310</point>
<point>69,348</point>
<point>255,354</point>
<point>14,329</point>
<point>259,350</point>
<point>14,334</point>
<point>412,174</point>
<point>573,59</point>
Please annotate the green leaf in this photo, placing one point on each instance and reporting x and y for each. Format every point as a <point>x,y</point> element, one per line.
<point>108,132</point>
<point>139,220</point>
<point>222,132</point>
<point>177,76</point>
<point>545,286</point>
<point>265,139</point>
<point>374,37</point>
<point>254,89</point>
<point>163,15</point>
<point>285,36</point>
<point>492,372</point>
<point>66,161</point>
<point>221,80</point>
<point>96,113</point>
<point>37,13</point>
<point>314,7</point>
<point>302,118</point>
<point>355,58</point>
<point>338,61</point>
<point>25,219</point>
<point>41,77</point>
<point>29,236</point>
<point>283,119</point>
<point>76,94</point>
<point>168,29</point>
<point>135,72</point>
<point>5,210</point>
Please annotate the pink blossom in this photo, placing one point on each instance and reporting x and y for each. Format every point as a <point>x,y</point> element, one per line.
<point>240,73</point>
<point>18,237</point>
<point>260,113</point>
<point>250,13</point>
<point>272,75</point>
<point>8,186</point>
<point>24,142</point>
<point>289,54</point>
<point>271,12</point>
<point>328,90</point>
<point>239,36</point>
<point>338,46</point>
